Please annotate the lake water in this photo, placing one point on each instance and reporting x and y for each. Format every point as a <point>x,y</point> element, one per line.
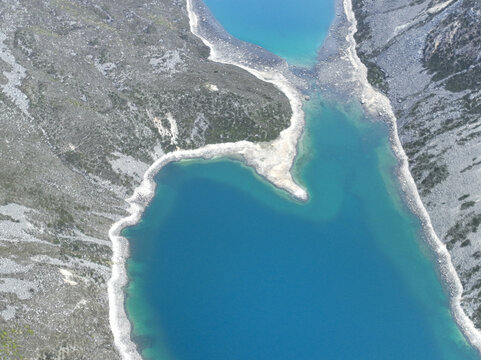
<point>291,29</point>
<point>224,266</point>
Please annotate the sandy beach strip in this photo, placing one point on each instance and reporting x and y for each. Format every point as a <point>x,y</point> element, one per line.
<point>377,103</point>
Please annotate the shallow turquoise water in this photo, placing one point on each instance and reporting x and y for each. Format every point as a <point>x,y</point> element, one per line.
<point>224,266</point>
<point>291,29</point>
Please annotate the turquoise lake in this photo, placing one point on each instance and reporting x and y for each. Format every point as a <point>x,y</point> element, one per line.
<point>224,266</point>
<point>291,29</point>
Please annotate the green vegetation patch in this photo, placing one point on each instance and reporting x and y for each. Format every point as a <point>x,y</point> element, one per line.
<point>9,339</point>
<point>437,175</point>
<point>461,230</point>
<point>376,76</point>
<point>467,205</point>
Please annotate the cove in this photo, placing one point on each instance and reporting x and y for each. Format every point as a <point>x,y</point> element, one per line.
<point>224,266</point>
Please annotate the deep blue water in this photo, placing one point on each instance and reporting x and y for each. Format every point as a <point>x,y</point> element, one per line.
<point>225,267</point>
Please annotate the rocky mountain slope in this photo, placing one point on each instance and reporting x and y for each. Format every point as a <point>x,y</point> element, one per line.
<point>91,93</point>
<point>425,55</point>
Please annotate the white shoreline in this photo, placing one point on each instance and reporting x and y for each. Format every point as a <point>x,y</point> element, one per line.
<point>271,160</point>
<point>378,103</point>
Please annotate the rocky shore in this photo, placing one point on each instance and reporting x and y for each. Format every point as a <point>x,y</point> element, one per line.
<point>425,57</point>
